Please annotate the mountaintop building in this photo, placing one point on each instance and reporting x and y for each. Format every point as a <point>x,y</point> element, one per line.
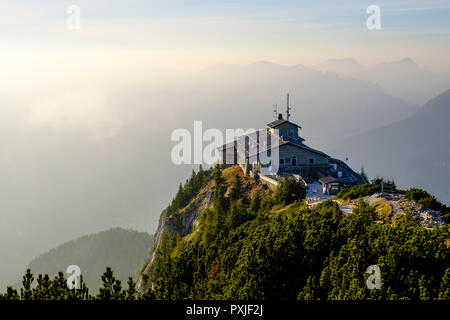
<point>278,151</point>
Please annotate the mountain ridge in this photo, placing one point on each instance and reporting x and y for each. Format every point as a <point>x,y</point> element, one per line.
<point>122,249</point>
<point>412,151</point>
<point>402,78</point>
<point>227,263</point>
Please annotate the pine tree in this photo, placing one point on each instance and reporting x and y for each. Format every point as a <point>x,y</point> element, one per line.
<point>26,291</point>
<point>289,190</point>
<point>58,287</point>
<point>364,175</point>
<point>42,290</point>
<point>236,215</point>
<point>199,179</point>
<point>83,292</point>
<point>131,291</point>
<point>255,203</point>
<point>149,294</point>
<point>11,294</point>
<point>237,190</point>
<point>179,198</point>
<point>219,185</point>
<point>220,205</point>
<point>117,290</point>
<point>424,285</point>
<point>310,290</point>
<point>109,284</point>
<point>189,188</point>
<point>444,290</point>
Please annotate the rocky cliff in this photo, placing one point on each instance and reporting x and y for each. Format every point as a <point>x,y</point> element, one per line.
<point>183,223</point>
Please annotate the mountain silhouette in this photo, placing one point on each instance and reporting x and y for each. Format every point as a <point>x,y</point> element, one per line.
<point>414,151</point>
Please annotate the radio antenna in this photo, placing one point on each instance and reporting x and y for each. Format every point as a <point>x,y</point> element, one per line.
<point>288,108</point>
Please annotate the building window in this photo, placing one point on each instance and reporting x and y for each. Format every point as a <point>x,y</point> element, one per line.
<point>281,161</point>
<point>311,161</point>
<point>294,161</point>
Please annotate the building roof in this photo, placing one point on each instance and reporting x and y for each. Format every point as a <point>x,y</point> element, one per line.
<point>263,144</point>
<point>328,179</point>
<point>257,146</point>
<point>356,176</point>
<point>279,122</point>
<point>298,143</point>
<point>260,141</point>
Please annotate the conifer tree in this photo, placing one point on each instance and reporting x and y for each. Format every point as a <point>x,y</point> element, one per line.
<point>131,291</point>
<point>219,186</point>
<point>220,206</point>
<point>199,179</point>
<point>108,290</point>
<point>11,294</point>
<point>255,203</point>
<point>236,190</point>
<point>364,175</point>
<point>42,290</point>
<point>83,292</point>
<point>149,294</point>
<point>289,189</point>
<point>444,290</point>
<point>117,290</point>
<point>58,287</point>
<point>26,291</point>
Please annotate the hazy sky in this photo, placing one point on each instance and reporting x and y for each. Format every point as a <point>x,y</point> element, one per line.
<point>191,34</point>
<point>84,112</point>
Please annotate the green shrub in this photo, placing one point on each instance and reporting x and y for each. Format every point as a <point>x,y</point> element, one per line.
<point>356,192</point>
<point>289,190</point>
<point>429,201</point>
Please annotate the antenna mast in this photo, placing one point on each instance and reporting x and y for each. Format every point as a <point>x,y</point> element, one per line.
<point>275,111</point>
<point>288,108</point>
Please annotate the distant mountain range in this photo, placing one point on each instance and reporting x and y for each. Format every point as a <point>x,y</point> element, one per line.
<point>326,105</point>
<point>414,151</point>
<point>125,251</point>
<point>403,78</point>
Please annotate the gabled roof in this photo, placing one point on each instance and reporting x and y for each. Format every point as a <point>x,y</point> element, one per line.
<point>298,143</point>
<point>279,122</point>
<point>265,137</point>
<point>298,140</point>
<point>328,179</point>
<point>260,140</point>
<point>264,144</point>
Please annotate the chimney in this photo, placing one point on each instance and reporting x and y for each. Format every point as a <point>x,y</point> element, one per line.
<point>280,116</point>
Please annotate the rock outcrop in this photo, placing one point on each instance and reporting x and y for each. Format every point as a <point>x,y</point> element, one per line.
<point>400,206</point>
<point>184,222</point>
